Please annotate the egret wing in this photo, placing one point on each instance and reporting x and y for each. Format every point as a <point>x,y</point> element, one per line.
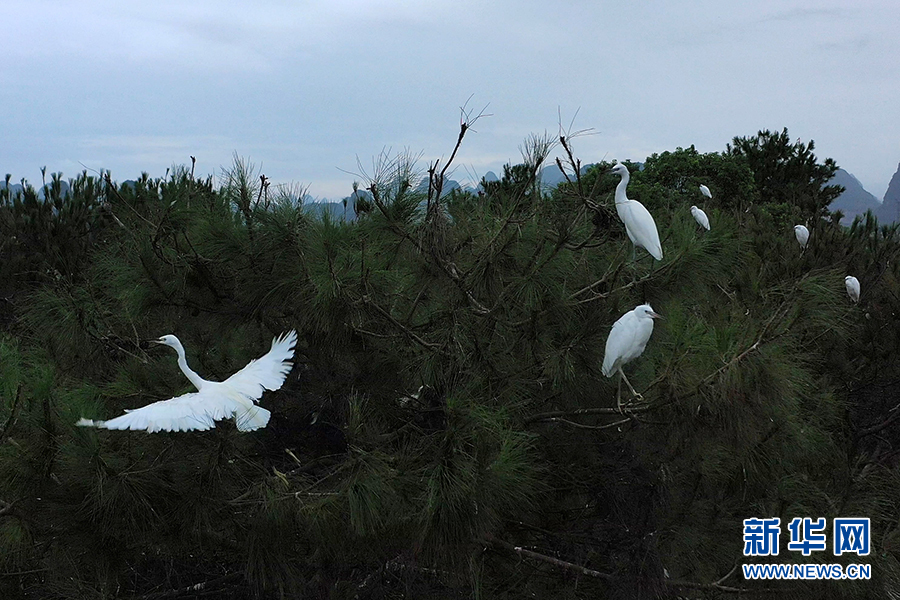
<point>701,218</point>
<point>221,401</point>
<point>619,344</point>
<point>184,413</point>
<point>197,411</point>
<point>852,284</point>
<point>268,371</point>
<point>642,229</point>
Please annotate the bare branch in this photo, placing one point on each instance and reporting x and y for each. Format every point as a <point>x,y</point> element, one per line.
<point>436,180</point>
<point>581,426</point>
<point>492,541</point>
<point>568,566</point>
<point>197,588</point>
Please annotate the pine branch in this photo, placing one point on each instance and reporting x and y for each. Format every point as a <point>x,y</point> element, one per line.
<point>894,414</point>
<point>648,277</point>
<point>492,541</point>
<point>643,408</point>
<point>197,588</point>
<point>717,585</point>
<point>11,419</point>
<point>6,508</point>
<point>581,426</point>
<point>412,335</point>
<point>447,267</point>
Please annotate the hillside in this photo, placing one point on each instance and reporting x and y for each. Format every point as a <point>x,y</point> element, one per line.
<point>855,200</point>
<point>890,208</point>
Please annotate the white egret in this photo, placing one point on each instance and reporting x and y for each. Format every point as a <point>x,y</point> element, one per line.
<point>639,223</point>
<point>626,341</point>
<point>213,400</point>
<point>705,191</point>
<point>700,217</point>
<point>802,234</point>
<point>852,284</point>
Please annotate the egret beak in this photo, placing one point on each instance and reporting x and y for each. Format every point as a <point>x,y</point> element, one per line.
<point>157,341</point>
<point>655,315</point>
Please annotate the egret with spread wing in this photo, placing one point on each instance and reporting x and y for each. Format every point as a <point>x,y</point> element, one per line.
<point>214,400</point>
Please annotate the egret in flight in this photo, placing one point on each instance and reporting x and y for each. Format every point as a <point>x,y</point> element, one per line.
<point>639,223</point>
<point>852,284</point>
<point>626,341</point>
<point>700,217</point>
<point>705,191</point>
<point>214,400</point>
<point>802,234</point>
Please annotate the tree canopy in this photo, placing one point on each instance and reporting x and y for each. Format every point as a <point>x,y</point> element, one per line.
<point>447,431</point>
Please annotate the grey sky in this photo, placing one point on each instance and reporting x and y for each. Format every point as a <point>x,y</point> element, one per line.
<point>302,88</point>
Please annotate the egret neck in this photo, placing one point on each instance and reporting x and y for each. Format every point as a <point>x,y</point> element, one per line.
<point>620,189</point>
<point>182,363</point>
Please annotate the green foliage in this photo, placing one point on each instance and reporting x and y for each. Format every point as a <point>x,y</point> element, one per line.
<point>448,401</point>
<point>788,173</point>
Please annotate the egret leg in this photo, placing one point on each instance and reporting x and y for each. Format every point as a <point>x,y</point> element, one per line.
<point>633,263</point>
<point>630,387</point>
<point>619,393</point>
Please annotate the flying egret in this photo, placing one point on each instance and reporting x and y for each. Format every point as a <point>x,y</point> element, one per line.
<point>852,284</point>
<point>639,223</point>
<point>705,191</point>
<point>802,234</point>
<point>626,341</point>
<point>700,217</point>
<point>213,400</point>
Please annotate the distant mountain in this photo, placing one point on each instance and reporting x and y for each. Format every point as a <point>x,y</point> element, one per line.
<point>449,186</point>
<point>855,200</point>
<point>489,177</point>
<point>16,188</point>
<point>889,212</point>
<point>551,176</point>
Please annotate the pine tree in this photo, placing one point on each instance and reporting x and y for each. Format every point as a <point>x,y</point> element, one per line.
<point>447,431</point>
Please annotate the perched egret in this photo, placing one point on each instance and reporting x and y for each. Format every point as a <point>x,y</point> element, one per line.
<point>639,223</point>
<point>705,191</point>
<point>802,234</point>
<point>626,341</point>
<point>852,284</point>
<point>213,400</point>
<point>700,217</point>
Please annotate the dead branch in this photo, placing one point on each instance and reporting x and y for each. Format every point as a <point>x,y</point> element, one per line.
<point>197,588</point>
<point>717,585</point>
<point>581,426</point>
<point>436,181</point>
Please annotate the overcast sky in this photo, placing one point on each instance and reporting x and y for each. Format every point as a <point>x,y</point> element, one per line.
<point>301,88</point>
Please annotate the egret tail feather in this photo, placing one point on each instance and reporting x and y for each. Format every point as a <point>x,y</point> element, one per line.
<point>254,418</point>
